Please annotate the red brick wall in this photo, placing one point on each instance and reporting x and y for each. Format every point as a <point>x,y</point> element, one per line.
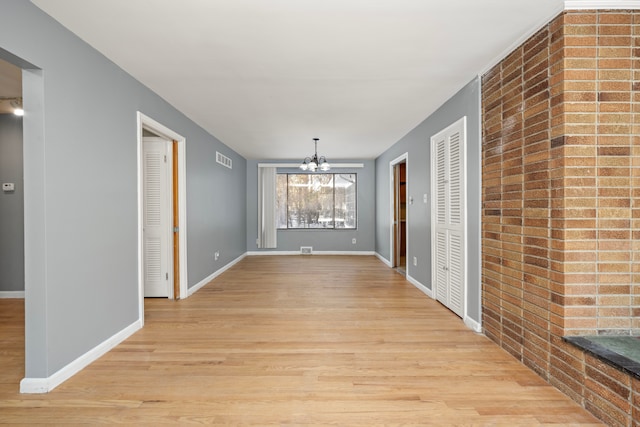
<point>561,202</point>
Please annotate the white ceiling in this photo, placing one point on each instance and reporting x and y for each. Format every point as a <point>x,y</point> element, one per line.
<point>265,77</point>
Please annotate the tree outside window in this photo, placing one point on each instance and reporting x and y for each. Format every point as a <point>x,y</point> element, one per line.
<point>317,201</point>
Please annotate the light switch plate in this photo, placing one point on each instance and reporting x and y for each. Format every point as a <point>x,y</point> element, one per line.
<point>8,186</point>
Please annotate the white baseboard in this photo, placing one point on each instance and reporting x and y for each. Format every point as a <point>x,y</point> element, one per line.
<point>356,253</point>
<point>192,290</point>
<point>359,253</point>
<point>469,322</point>
<point>45,385</point>
<point>420,286</point>
<point>384,260</point>
<point>12,294</point>
<point>256,253</point>
<point>472,324</point>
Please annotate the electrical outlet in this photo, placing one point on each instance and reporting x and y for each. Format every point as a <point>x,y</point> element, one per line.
<point>415,261</point>
<point>353,240</point>
<point>216,255</point>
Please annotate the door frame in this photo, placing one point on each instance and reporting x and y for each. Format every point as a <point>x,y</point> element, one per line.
<point>403,158</point>
<point>145,122</point>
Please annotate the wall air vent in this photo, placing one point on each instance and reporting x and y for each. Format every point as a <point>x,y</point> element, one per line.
<point>306,250</point>
<point>223,160</point>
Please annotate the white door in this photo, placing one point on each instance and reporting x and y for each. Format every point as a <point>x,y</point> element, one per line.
<point>157,249</point>
<point>448,216</point>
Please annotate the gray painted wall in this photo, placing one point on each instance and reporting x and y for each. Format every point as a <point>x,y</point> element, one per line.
<point>216,209</point>
<point>11,205</point>
<point>320,240</point>
<point>81,208</point>
<point>417,144</point>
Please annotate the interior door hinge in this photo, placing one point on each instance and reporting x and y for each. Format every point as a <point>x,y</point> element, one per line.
<point>165,158</point>
<point>176,229</point>
<point>167,276</point>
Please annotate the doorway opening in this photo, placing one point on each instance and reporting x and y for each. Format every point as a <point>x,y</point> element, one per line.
<point>162,252</point>
<point>32,260</point>
<point>399,213</point>
<point>12,255</point>
<point>12,272</point>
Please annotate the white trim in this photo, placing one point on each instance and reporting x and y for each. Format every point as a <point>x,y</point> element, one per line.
<point>45,385</point>
<point>257,253</point>
<point>192,290</point>
<point>601,4</point>
<point>472,324</point>
<point>357,253</point>
<point>478,233</point>
<point>297,165</point>
<point>384,260</point>
<point>400,159</point>
<point>12,294</point>
<point>468,321</point>
<point>428,292</point>
<point>146,122</point>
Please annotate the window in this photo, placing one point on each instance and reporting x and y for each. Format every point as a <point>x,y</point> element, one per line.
<point>320,201</point>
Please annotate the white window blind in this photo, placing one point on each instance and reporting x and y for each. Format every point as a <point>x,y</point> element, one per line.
<point>267,232</point>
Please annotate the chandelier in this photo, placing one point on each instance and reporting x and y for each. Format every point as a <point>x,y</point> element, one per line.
<point>315,162</point>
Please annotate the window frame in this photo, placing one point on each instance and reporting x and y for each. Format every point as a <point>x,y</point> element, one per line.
<point>334,228</point>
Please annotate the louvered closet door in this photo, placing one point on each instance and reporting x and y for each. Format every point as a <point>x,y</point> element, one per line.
<point>441,279</point>
<point>448,216</point>
<point>441,267</point>
<point>156,217</point>
<point>455,272</point>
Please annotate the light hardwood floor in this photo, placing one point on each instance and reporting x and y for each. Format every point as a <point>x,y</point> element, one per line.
<point>301,340</point>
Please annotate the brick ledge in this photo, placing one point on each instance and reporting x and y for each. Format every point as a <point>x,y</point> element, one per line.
<point>609,356</point>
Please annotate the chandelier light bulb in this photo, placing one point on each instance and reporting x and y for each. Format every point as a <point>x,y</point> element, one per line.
<point>313,163</point>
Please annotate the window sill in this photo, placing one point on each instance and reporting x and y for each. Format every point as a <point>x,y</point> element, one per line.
<point>621,352</point>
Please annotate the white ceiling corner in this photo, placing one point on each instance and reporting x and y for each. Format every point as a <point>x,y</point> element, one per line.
<point>601,4</point>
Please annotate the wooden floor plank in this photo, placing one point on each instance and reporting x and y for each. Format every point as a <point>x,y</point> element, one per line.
<point>300,340</point>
